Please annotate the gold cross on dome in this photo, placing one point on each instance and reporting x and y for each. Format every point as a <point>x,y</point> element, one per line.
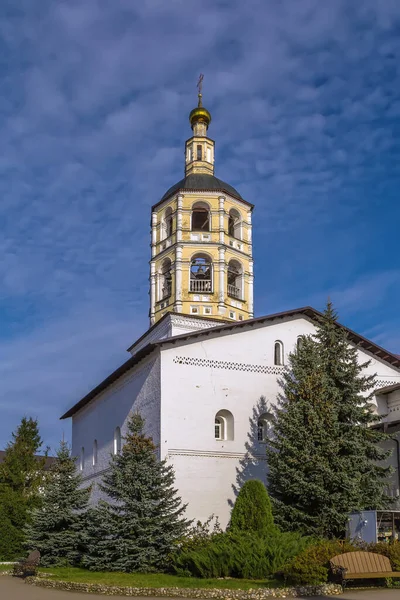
<point>200,82</point>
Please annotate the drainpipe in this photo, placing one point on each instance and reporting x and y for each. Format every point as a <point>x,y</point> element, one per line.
<point>395,439</point>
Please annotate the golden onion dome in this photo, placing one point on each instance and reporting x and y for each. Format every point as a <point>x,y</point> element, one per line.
<point>199,114</point>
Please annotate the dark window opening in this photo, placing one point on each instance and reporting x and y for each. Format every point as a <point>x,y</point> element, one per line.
<point>234,280</point>
<point>231,226</point>
<point>199,153</point>
<point>166,280</point>
<point>168,224</point>
<point>200,219</point>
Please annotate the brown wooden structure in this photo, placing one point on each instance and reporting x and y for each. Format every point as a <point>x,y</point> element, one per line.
<point>361,565</point>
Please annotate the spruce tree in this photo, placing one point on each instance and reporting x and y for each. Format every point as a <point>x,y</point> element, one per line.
<point>57,526</point>
<point>138,525</point>
<point>21,475</point>
<point>252,510</point>
<point>323,455</point>
<point>350,389</point>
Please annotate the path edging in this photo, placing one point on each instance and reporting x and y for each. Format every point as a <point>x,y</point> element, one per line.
<point>328,589</point>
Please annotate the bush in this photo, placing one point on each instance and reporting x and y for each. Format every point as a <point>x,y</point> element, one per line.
<point>311,566</point>
<point>392,551</point>
<point>238,554</point>
<point>252,510</point>
<point>200,535</point>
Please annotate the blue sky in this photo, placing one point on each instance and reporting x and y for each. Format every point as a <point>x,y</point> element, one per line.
<point>94,104</point>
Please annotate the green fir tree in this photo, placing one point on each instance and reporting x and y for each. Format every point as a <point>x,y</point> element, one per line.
<point>21,475</point>
<point>252,510</point>
<point>324,457</point>
<point>57,526</point>
<point>138,526</point>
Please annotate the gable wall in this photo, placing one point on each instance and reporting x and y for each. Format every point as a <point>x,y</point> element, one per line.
<point>138,389</point>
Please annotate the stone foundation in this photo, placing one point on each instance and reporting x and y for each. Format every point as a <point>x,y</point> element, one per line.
<point>329,589</point>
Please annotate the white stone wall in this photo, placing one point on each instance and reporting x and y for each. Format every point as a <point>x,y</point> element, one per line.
<point>234,371</point>
<point>179,393</point>
<point>138,389</point>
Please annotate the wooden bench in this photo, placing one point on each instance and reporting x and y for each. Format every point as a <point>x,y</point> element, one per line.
<point>361,565</point>
<point>28,566</point>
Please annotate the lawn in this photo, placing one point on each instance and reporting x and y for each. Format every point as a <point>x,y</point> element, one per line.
<point>6,567</point>
<point>155,580</point>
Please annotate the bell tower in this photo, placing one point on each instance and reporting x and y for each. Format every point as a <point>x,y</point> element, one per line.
<point>201,239</point>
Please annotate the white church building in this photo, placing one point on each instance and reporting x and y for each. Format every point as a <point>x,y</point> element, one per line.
<point>205,375</point>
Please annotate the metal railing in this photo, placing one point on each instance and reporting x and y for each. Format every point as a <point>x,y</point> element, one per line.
<point>201,285</point>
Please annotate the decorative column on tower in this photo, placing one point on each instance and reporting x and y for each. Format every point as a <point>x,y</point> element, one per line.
<point>178,279</point>
<point>221,292</point>
<point>221,208</point>
<point>152,291</point>
<point>179,218</point>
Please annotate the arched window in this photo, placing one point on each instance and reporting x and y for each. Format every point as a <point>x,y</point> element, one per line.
<point>263,424</point>
<point>224,425</point>
<point>165,280</point>
<point>200,217</point>
<point>234,224</point>
<point>95,453</point>
<point>199,152</point>
<point>235,279</point>
<point>166,224</point>
<point>117,440</point>
<point>82,459</point>
<point>278,353</point>
<point>168,220</point>
<point>300,341</point>
<point>201,274</point>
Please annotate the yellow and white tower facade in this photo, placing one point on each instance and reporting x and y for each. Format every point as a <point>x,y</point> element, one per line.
<point>201,239</point>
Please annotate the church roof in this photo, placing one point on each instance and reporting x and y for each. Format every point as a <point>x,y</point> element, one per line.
<point>307,311</point>
<point>199,182</point>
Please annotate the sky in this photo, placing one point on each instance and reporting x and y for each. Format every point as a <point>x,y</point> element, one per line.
<point>94,105</point>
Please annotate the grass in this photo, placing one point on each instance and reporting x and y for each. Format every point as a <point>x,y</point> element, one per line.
<point>155,580</point>
<point>6,567</point>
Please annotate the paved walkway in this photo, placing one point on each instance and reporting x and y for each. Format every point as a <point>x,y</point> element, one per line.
<point>12,588</point>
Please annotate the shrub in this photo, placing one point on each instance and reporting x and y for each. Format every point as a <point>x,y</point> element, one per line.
<point>311,566</point>
<point>238,554</point>
<point>201,534</point>
<point>392,551</point>
<point>252,510</point>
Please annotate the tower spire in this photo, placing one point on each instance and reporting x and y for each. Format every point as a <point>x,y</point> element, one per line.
<point>200,118</point>
<point>199,148</point>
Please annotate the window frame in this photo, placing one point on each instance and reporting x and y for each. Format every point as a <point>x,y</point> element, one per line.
<point>209,282</point>
<point>95,453</point>
<point>279,359</point>
<point>218,425</point>
<point>117,440</point>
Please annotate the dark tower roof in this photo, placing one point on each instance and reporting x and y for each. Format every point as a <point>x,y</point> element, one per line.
<point>202,182</point>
